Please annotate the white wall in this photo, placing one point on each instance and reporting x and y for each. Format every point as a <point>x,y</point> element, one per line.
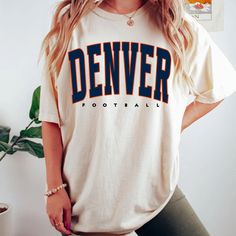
<point>207,150</point>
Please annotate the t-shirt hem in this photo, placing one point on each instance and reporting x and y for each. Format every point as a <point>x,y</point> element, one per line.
<point>151,216</point>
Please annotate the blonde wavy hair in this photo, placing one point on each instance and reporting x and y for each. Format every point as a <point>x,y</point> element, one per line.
<point>68,13</point>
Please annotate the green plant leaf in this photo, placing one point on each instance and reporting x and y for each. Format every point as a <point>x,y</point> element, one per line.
<point>34,109</point>
<point>36,149</point>
<point>13,139</point>
<point>4,133</point>
<point>33,132</point>
<point>4,146</point>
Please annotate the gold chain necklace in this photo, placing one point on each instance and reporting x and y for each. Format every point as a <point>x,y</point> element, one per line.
<point>130,21</point>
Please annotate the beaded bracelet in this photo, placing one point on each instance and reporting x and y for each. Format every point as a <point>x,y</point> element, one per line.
<point>54,190</point>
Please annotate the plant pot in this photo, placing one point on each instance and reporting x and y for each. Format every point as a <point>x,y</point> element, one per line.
<point>5,219</point>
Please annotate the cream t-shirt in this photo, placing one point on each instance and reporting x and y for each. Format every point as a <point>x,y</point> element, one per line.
<point>121,120</point>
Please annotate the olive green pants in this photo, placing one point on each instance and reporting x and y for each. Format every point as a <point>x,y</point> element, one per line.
<point>177,218</point>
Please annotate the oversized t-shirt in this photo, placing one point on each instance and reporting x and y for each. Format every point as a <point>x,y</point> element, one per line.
<point>120,118</point>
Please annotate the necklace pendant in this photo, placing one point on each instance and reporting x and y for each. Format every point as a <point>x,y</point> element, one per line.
<point>130,22</point>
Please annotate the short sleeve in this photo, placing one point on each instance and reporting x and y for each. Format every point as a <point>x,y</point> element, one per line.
<point>48,110</point>
<point>213,75</point>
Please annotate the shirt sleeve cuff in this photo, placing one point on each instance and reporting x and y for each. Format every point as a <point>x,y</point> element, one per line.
<point>49,117</point>
<point>215,95</point>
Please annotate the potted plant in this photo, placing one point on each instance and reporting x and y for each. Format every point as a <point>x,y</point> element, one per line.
<point>23,142</point>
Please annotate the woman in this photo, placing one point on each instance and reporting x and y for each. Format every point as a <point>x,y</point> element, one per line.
<point>113,105</point>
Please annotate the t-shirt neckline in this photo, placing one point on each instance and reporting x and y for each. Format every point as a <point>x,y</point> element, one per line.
<point>116,16</point>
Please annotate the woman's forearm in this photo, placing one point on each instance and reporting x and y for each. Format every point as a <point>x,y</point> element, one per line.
<point>196,110</point>
<point>53,152</point>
